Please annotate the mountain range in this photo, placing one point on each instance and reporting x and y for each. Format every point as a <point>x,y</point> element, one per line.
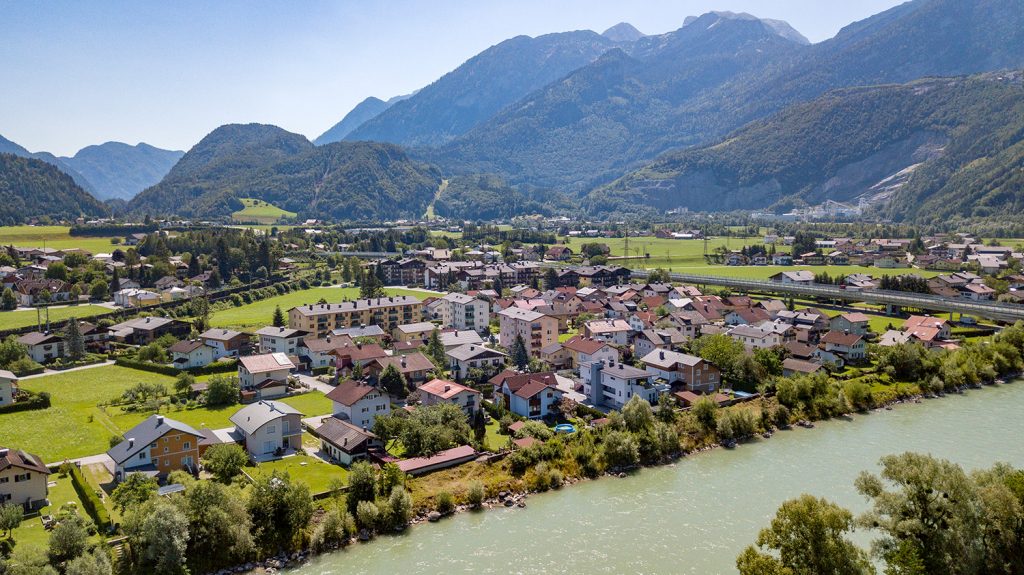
<point>32,188</point>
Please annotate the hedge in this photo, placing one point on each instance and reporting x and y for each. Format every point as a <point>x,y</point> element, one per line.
<point>90,501</point>
<point>33,400</point>
<point>146,366</point>
<point>215,367</point>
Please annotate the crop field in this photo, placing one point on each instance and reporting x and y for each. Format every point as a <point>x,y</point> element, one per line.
<point>260,212</point>
<point>57,237</point>
<point>259,314</point>
<point>22,318</point>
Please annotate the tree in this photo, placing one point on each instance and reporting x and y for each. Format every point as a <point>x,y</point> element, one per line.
<point>225,461</point>
<point>134,490</point>
<point>705,411</point>
<point>10,517</point>
<point>222,390</point>
<point>115,281</point>
<point>28,560</point>
<point>362,485</point>
<point>371,287</point>
<point>68,539</point>
<point>57,271</point>
<point>75,341</point>
<point>98,290</point>
<point>518,354</point>
<point>280,509</point>
<point>435,349</point>
<point>399,508</point>
<point>393,381</point>
<point>8,300</point>
<point>159,536</point>
<point>550,278</point>
<point>278,319</point>
<point>808,534</point>
<point>95,563</point>
<point>621,449</point>
<point>184,382</point>
<point>638,414</point>
<point>220,531</point>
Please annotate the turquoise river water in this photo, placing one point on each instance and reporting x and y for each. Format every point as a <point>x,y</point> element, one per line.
<point>694,516</point>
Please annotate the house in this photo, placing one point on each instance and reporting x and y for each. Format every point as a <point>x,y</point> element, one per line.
<point>190,353</point>
<point>135,297</point>
<point>536,329</point>
<point>266,375</point>
<point>530,395</point>
<point>659,338</point>
<point>225,342</point>
<point>556,356</point>
<point>558,253</point>
<point>463,312</point>
<point>8,387</point>
<point>688,398</point>
<point>42,347</point>
<point>757,336</point>
<point>318,353</point>
<point>792,366</point>
<point>146,330</point>
<point>403,272</point>
<point>688,371</point>
<point>280,339</point>
<point>849,346</point>
<point>977,292</point>
<point>345,442</point>
<point>453,339</point>
<point>347,356</point>
<point>23,479</point>
<point>852,322</point>
<point>464,358</point>
<point>359,403</point>
<point>413,331</point>
<point>414,366</point>
<point>614,331</point>
<point>584,351</point>
<point>157,446</point>
<point>443,391</point>
<point>793,277</point>
<point>779,259</point>
<point>364,333</point>
<point>30,291</point>
<point>746,315</point>
<point>612,384</point>
<point>918,322</point>
<point>268,426</point>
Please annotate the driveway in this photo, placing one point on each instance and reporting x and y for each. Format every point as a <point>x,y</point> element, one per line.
<point>314,383</point>
<point>56,371</point>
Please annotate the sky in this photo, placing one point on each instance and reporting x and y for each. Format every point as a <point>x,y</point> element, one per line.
<point>167,73</point>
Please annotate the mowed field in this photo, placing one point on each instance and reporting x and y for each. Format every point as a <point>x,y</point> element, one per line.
<point>22,318</point>
<point>687,256</point>
<point>260,212</point>
<point>259,314</point>
<point>57,237</point>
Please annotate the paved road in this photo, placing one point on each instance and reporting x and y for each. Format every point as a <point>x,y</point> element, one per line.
<point>315,383</point>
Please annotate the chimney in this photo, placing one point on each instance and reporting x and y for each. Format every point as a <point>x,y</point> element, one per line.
<point>131,442</point>
<point>4,451</point>
<point>447,388</point>
<point>159,420</point>
<point>661,355</point>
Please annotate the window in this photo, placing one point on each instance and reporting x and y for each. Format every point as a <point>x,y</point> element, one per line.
<point>167,463</point>
<point>187,445</point>
<point>142,456</point>
<point>4,480</point>
<point>272,429</point>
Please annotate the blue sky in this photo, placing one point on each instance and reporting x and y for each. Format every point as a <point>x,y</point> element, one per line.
<point>167,73</point>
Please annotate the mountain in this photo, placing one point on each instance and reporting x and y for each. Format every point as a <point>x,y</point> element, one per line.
<point>932,150</point>
<point>590,125</point>
<point>364,111</point>
<point>715,74</point>
<point>31,188</point>
<point>342,180</point>
<point>118,170</point>
<point>623,32</point>
<point>481,87</point>
<point>9,147</point>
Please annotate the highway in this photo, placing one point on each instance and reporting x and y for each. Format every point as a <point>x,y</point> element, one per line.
<point>986,309</point>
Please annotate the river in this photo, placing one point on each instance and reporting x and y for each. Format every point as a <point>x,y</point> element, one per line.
<point>694,516</point>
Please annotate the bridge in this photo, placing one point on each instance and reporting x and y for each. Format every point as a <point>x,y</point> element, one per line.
<point>891,299</point>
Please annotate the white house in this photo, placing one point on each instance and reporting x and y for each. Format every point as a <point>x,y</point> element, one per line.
<point>345,442</point>
<point>757,336</point>
<point>190,353</point>
<point>694,373</point>
<point>464,312</point>
<point>225,342</point>
<point>267,426</point>
<point>613,384</point>
<point>42,347</point>
<point>793,277</point>
<point>473,356</point>
<point>280,340</point>
<point>611,330</point>
<point>533,396</point>
<point>8,384</point>
<point>266,374</point>
<point>359,403</point>
<point>443,391</point>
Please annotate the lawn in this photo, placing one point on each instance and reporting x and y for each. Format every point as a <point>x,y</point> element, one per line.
<point>31,532</point>
<point>73,426</point>
<point>259,314</point>
<point>260,212</point>
<point>313,471</point>
<point>54,237</point>
<point>493,439</point>
<point>22,318</point>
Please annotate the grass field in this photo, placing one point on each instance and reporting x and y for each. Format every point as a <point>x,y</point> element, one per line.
<point>259,314</point>
<point>31,532</point>
<point>73,426</point>
<point>22,318</point>
<point>53,237</point>
<point>314,472</point>
<point>260,212</point>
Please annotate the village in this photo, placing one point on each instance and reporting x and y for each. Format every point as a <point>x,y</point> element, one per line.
<point>521,345</point>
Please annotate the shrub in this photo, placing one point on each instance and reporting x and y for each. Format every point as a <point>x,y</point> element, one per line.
<point>476,494</point>
<point>367,515</point>
<point>26,400</point>
<point>90,501</point>
<point>445,503</point>
<point>556,478</point>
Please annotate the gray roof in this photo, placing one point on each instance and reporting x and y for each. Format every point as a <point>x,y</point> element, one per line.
<point>256,415</point>
<point>4,374</point>
<point>153,428</point>
<point>220,334</point>
<point>625,371</point>
<point>36,338</point>
<point>471,351</point>
<point>143,323</point>
<point>668,358</point>
<point>463,337</point>
<point>362,331</point>
<point>281,332</point>
<point>343,434</point>
<point>458,298</point>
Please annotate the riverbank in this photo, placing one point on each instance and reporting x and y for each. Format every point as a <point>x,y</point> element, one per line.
<point>695,515</point>
<point>518,500</point>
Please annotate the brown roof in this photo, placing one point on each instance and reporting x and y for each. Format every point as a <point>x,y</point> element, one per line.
<point>445,389</point>
<point>186,346</point>
<point>525,442</point>
<point>327,344</point>
<point>36,338</point>
<point>360,352</point>
<point>840,338</point>
<point>22,459</point>
<point>582,344</point>
<point>409,363</point>
<point>855,317</point>
<point>532,388</point>
<point>343,434</point>
<point>514,427</point>
<point>449,456</point>
<point>266,362</point>
<point>800,366</point>
<point>349,392</point>
<point>515,381</point>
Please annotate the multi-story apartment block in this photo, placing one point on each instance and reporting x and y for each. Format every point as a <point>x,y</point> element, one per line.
<point>386,312</point>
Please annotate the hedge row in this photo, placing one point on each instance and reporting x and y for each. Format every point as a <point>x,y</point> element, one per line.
<point>216,367</point>
<point>147,366</point>
<point>28,400</point>
<point>90,501</point>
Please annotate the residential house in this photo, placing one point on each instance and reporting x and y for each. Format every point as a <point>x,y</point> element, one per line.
<point>556,356</point>
<point>464,312</point>
<point>793,277</point>
<point>42,347</point>
<point>914,323</point>
<point>359,403</point>
<point>414,366</point>
<point>318,353</point>
<point>584,351</point>
<point>265,375</point>
<point>146,330</point>
<point>852,322</point>
<point>530,395</point>
<point>658,338</point>
<point>402,272</point>
<point>977,292</point>
<point>225,342</point>
<point>613,384</point>
<point>760,336</point>
<point>8,387</point>
<point>452,339</point>
<point>281,339</point>
<point>344,442</point>
<point>536,329</point>
<point>414,331</point>
<point>191,353</point>
<point>30,291</point>
<point>792,366</point>
<point>849,346</point>
<point>443,391</point>
<point>135,297</point>
<point>268,427</point>
<point>363,333</point>
<point>470,356</point>
<point>616,331</point>
<point>24,479</point>
<point>680,369</point>
<point>558,253</point>
<point>348,356</point>
<point>157,446</point>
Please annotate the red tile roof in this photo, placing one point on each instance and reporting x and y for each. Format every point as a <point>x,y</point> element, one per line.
<point>445,389</point>
<point>349,392</point>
